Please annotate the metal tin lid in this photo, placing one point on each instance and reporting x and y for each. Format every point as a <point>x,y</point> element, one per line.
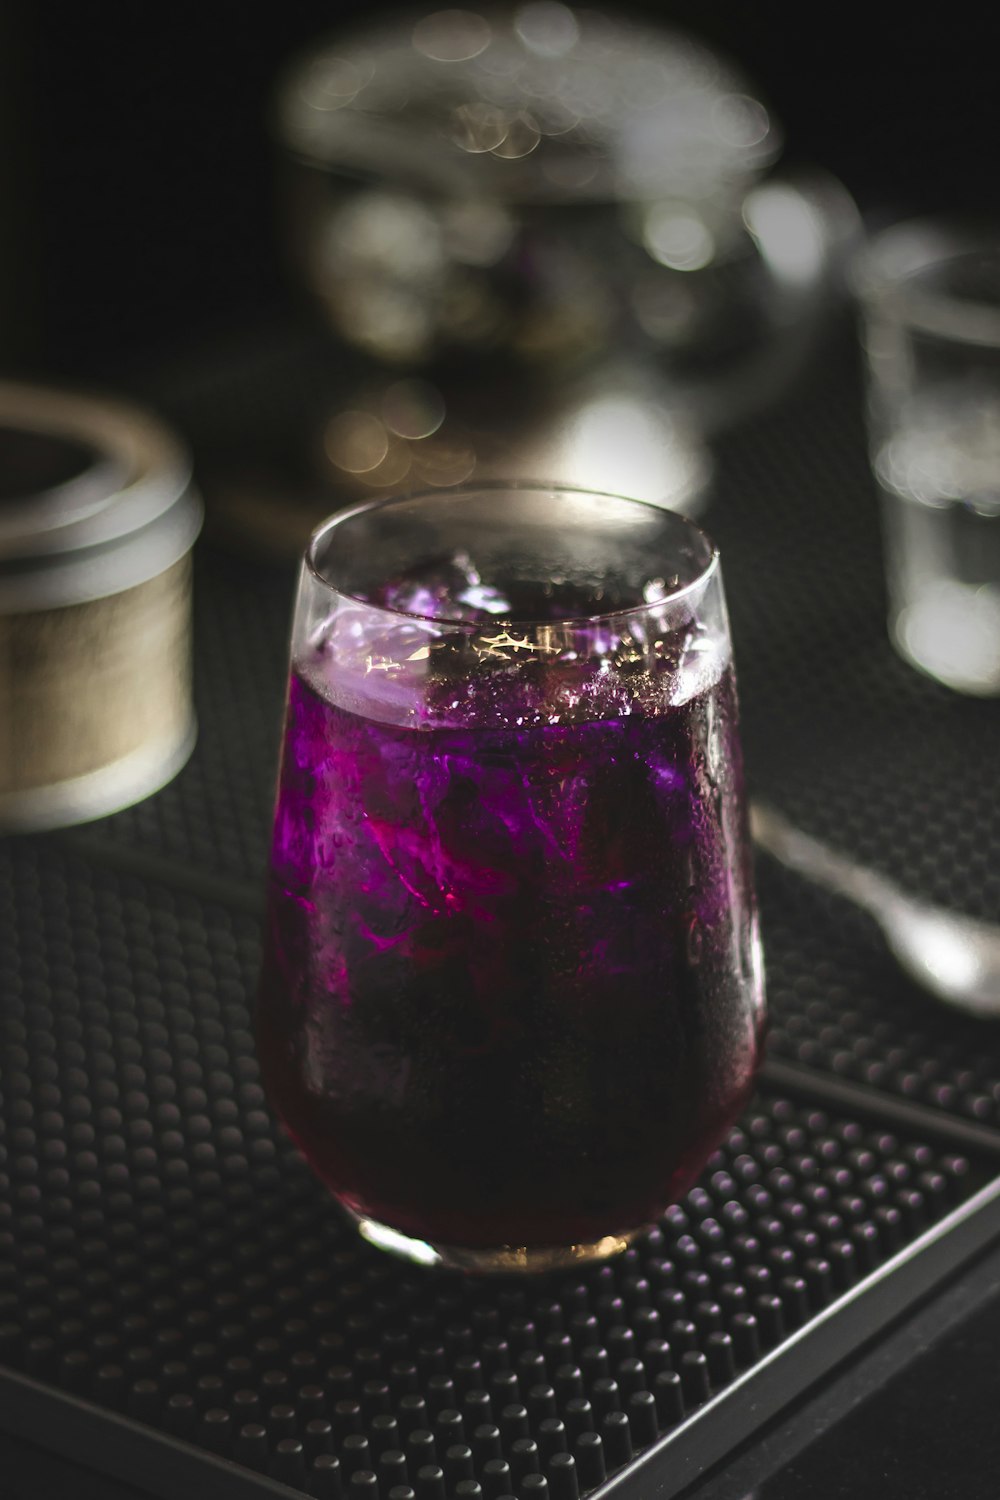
<point>536,104</point>
<point>95,496</point>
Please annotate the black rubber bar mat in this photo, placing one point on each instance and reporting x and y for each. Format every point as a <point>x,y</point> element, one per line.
<point>168,1259</point>
<point>173,1270</point>
<point>180,1302</point>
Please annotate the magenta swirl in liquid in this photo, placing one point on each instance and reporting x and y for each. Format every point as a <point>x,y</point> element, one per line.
<point>510,993</point>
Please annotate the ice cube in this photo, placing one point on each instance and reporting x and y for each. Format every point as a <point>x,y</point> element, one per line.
<point>445,588</point>
<point>368,662</point>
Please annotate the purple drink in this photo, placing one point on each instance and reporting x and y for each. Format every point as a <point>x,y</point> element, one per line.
<point>511,990</point>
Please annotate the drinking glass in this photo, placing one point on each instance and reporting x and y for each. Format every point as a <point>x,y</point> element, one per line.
<point>512,996</point>
<point>930,300</point>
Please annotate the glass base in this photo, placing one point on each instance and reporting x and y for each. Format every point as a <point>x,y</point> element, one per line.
<point>504,1260</point>
<point>952,632</point>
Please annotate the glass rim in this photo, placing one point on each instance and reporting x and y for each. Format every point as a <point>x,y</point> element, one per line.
<point>889,270</point>
<point>352,139</point>
<point>365,507</point>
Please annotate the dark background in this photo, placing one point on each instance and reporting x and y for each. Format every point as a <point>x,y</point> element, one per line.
<point>137,226</point>
<point>136,171</point>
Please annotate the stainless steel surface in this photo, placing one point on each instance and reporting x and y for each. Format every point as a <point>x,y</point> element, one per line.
<point>954,957</point>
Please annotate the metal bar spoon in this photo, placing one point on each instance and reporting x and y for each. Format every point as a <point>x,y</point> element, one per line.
<point>954,957</point>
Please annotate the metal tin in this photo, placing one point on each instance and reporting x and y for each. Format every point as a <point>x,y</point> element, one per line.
<point>98,514</point>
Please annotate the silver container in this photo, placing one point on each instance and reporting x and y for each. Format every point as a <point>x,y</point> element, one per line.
<point>98,515</point>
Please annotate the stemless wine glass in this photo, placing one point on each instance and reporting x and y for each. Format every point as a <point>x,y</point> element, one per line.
<point>512,992</point>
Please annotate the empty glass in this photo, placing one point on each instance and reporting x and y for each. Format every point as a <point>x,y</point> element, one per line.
<point>512,994</point>
<point>930,296</point>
